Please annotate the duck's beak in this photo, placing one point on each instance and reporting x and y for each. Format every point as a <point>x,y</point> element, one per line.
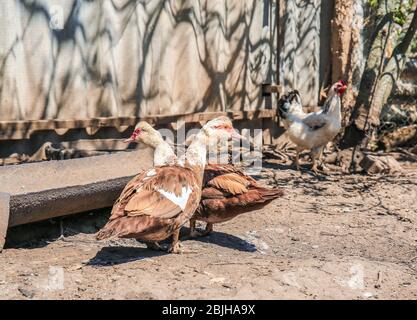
<point>133,136</point>
<point>129,140</point>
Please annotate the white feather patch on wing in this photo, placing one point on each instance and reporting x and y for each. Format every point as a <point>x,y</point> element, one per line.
<point>151,173</point>
<point>180,201</point>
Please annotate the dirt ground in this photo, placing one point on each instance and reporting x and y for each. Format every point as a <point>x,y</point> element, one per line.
<point>329,237</point>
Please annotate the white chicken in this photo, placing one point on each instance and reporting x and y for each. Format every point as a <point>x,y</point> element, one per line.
<point>315,129</point>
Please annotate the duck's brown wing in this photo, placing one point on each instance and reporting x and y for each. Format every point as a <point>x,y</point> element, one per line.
<point>225,180</point>
<point>158,194</point>
<point>229,183</point>
<point>127,193</point>
<point>227,192</point>
<point>231,206</point>
<point>214,170</point>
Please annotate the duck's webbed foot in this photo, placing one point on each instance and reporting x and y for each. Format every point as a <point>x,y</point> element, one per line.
<point>208,230</point>
<point>153,245</point>
<point>193,231</point>
<point>195,234</point>
<point>175,244</point>
<point>174,248</point>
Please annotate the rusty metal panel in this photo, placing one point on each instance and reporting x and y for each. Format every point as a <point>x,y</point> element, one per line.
<point>37,140</point>
<point>78,59</point>
<point>15,130</point>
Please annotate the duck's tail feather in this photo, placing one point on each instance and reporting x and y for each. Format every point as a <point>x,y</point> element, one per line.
<point>141,226</point>
<point>270,194</point>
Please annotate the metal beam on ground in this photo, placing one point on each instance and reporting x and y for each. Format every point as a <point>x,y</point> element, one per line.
<point>49,189</point>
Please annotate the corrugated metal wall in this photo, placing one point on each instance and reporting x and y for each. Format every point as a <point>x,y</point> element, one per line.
<point>300,48</point>
<point>77,59</point>
<point>125,58</point>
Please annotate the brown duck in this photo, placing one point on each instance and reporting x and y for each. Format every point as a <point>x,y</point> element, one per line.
<point>157,202</point>
<point>226,192</point>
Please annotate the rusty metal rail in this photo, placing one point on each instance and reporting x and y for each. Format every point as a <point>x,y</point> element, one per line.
<point>27,141</point>
<point>15,130</point>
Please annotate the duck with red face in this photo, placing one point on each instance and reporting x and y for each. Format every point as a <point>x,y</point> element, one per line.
<point>226,192</point>
<point>159,201</point>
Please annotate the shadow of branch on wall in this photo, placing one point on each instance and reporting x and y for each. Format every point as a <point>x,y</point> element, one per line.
<point>87,69</point>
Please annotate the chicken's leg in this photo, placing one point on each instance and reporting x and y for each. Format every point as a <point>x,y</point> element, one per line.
<point>297,158</point>
<point>175,244</point>
<point>316,155</point>
<point>324,168</point>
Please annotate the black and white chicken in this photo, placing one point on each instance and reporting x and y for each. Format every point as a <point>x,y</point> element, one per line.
<point>315,129</point>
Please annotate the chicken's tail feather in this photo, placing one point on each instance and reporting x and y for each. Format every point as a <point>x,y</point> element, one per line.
<point>285,102</point>
<point>283,106</point>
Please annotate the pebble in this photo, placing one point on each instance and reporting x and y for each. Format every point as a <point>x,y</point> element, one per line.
<point>218,280</point>
<point>76,267</point>
<point>26,293</point>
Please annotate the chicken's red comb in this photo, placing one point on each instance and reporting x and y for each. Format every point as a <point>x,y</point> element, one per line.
<point>343,82</point>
